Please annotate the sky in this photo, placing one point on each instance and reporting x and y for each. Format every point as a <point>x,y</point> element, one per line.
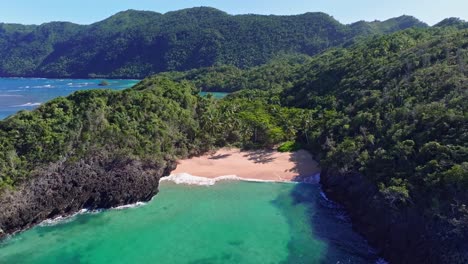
<point>345,11</point>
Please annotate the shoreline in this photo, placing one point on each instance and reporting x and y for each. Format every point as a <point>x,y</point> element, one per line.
<point>251,165</point>
<point>237,165</point>
<point>188,179</point>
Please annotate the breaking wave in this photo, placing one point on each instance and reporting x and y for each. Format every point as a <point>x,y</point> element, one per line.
<point>28,104</point>
<point>185,178</point>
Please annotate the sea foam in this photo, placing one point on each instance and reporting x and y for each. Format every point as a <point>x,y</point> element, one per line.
<point>62,219</point>
<point>28,104</point>
<point>185,178</point>
<point>68,218</point>
<point>44,86</point>
<point>135,205</point>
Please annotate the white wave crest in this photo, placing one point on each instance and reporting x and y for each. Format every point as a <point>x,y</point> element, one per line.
<point>62,219</point>
<point>78,85</point>
<point>188,179</point>
<point>44,86</point>
<point>28,104</point>
<point>57,220</point>
<point>69,218</point>
<point>324,196</point>
<point>185,178</point>
<point>135,205</point>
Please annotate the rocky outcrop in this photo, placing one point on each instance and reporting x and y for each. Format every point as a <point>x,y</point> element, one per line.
<point>97,181</point>
<point>402,235</point>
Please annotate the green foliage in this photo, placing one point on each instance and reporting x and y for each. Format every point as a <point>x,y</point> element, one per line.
<point>398,116</point>
<point>392,108</point>
<point>135,44</point>
<point>157,120</point>
<point>398,113</point>
<point>276,75</point>
<point>289,146</point>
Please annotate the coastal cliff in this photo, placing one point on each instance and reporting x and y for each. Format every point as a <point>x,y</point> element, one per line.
<point>98,181</point>
<point>403,235</point>
<point>94,149</point>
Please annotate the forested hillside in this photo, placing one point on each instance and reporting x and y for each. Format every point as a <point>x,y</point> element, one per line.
<point>139,43</point>
<point>392,109</point>
<point>276,75</point>
<point>386,116</point>
<point>155,121</point>
<point>395,110</point>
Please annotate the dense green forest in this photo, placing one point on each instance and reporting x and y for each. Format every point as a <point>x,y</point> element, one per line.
<point>276,75</point>
<point>157,120</point>
<point>392,108</point>
<point>395,109</point>
<point>135,44</point>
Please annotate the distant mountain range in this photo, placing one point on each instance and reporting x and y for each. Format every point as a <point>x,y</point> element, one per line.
<point>385,115</point>
<point>140,43</point>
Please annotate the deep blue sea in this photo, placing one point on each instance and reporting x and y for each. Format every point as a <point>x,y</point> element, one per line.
<point>28,93</point>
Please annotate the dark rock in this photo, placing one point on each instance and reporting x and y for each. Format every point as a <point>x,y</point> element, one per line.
<point>104,83</point>
<point>94,182</point>
<point>402,235</point>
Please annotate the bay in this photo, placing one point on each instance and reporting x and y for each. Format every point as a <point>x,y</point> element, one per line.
<point>230,222</point>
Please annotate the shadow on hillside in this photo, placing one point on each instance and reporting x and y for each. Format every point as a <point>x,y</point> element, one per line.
<point>336,241</point>
<point>329,225</point>
<point>304,166</point>
<point>260,156</point>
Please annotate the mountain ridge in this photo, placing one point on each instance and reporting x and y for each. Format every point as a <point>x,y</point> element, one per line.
<point>135,44</point>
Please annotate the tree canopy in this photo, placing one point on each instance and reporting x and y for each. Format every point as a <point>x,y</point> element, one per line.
<point>136,44</point>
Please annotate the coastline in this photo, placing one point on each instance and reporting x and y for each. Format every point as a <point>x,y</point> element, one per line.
<point>252,165</point>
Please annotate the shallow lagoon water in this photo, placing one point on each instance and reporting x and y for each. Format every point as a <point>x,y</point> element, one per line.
<point>230,222</point>
<point>216,95</point>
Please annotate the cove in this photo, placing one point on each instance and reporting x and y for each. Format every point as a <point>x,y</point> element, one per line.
<point>230,222</point>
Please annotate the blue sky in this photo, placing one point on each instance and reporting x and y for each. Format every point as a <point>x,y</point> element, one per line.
<point>346,11</point>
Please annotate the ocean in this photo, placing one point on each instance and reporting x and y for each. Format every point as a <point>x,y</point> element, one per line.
<point>28,93</point>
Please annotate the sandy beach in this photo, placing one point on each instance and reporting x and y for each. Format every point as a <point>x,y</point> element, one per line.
<point>267,165</point>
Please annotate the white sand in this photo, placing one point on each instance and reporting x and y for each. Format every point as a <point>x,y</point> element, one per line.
<point>263,165</point>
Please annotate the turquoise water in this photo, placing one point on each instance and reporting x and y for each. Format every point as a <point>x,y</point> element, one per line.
<point>217,95</point>
<point>230,222</point>
<point>28,93</point>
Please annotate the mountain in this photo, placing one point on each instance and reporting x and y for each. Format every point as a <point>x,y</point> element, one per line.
<point>385,115</point>
<point>388,26</point>
<point>452,22</point>
<point>139,43</point>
